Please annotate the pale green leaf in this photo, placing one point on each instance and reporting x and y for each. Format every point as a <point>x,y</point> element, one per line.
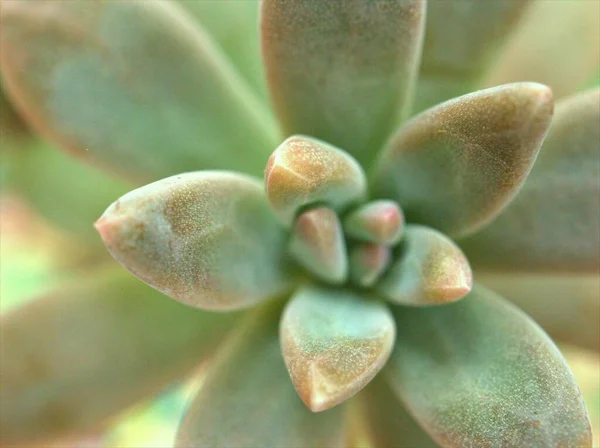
<point>379,222</point>
<point>367,262</point>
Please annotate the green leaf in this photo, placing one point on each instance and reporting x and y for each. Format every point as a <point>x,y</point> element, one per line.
<point>367,262</point>
<point>334,342</point>
<point>430,269</point>
<point>247,399</point>
<point>556,44</point>
<point>566,306</point>
<point>389,424</point>
<point>91,348</point>
<point>304,171</point>
<point>455,166</point>
<point>379,222</point>
<point>480,373</point>
<point>134,86</point>
<point>342,71</point>
<point>462,37</point>
<point>207,239</point>
<point>552,225</point>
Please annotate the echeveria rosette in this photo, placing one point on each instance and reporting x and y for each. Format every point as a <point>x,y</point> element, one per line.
<point>353,248</point>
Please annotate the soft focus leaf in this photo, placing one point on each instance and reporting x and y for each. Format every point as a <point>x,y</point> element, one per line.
<point>247,399</point>
<point>342,71</point>
<point>317,243</point>
<point>91,348</point>
<point>334,342</point>
<point>132,85</point>
<point>12,127</point>
<point>367,263</point>
<point>388,422</point>
<point>556,44</point>
<point>455,166</point>
<point>462,37</point>
<point>566,306</point>
<point>379,222</point>
<point>480,373</point>
<point>304,171</point>
<point>553,222</point>
<point>429,270</point>
<point>207,239</point>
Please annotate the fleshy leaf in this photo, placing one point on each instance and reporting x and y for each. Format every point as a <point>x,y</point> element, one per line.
<point>429,270</point>
<point>552,225</point>
<point>455,166</point>
<point>389,424</point>
<point>367,263</point>
<point>342,71</point>
<point>91,348</point>
<point>304,171</point>
<point>556,44</point>
<point>461,39</point>
<point>379,222</point>
<point>566,306</point>
<point>207,239</point>
<point>334,342</point>
<point>479,373</point>
<point>135,86</point>
<point>317,243</point>
<point>247,399</point>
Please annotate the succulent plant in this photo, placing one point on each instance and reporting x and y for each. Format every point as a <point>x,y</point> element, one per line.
<point>342,283</point>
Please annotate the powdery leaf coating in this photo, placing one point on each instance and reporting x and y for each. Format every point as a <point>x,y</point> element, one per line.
<point>207,239</point>
<point>317,243</point>
<point>389,425</point>
<point>367,263</point>
<point>552,225</point>
<point>455,166</point>
<point>247,399</point>
<point>379,222</point>
<point>334,342</point>
<point>430,270</point>
<point>135,86</point>
<point>304,171</point>
<point>566,306</point>
<point>89,349</point>
<point>461,40</point>
<point>480,373</point>
<point>336,66</point>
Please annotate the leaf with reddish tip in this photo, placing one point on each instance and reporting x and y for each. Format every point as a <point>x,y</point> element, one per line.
<point>556,44</point>
<point>247,399</point>
<point>342,71</point>
<point>566,306</point>
<point>207,239</point>
<point>334,342</point>
<point>89,349</point>
<point>367,263</point>
<point>304,171</point>
<point>379,222</point>
<point>135,86</point>
<point>479,373</point>
<point>455,166</point>
<point>552,225</point>
<point>430,270</point>
<point>317,243</point>
<point>461,39</point>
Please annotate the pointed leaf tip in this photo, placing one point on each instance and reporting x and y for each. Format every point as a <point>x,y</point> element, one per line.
<point>334,342</point>
<point>379,222</point>
<point>367,263</point>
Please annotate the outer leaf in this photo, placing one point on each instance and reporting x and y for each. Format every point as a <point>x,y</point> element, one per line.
<point>247,399</point>
<point>553,223</point>
<point>556,44</point>
<point>566,306</point>
<point>430,270</point>
<point>462,37</point>
<point>389,424</point>
<point>342,71</point>
<point>454,167</point>
<point>90,349</point>
<point>480,373</point>
<point>207,239</point>
<point>334,342</point>
<point>132,85</point>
